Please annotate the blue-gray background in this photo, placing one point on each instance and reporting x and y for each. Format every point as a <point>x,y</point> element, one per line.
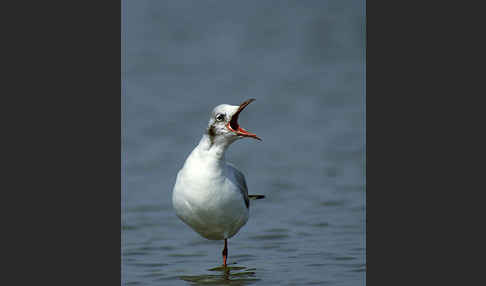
<point>304,63</point>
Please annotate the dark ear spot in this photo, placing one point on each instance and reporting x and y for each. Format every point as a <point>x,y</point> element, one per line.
<point>211,133</point>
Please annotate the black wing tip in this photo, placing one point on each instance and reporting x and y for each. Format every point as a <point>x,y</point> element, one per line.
<point>256,197</point>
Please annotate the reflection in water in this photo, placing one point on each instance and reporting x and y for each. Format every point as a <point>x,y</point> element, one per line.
<point>230,275</point>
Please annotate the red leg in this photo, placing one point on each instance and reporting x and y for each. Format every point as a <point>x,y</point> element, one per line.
<point>225,252</point>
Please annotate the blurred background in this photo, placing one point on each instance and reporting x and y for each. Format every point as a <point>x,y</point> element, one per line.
<point>304,63</point>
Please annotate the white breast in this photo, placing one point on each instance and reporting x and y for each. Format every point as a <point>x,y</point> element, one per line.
<point>206,200</point>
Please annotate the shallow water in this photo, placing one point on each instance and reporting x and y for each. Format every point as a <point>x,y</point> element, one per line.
<point>305,68</point>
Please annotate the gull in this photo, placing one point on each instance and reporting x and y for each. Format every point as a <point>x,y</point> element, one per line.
<point>210,194</point>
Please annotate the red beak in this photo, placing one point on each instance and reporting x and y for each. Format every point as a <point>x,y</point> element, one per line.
<point>235,127</point>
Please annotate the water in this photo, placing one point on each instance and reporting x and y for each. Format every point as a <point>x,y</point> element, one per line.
<point>303,62</point>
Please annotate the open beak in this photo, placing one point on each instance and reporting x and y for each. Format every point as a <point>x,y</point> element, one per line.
<point>235,127</point>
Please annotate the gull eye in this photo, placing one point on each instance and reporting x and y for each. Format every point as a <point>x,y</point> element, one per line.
<point>220,117</point>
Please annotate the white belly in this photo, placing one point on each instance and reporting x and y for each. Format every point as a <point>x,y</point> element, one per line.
<point>212,206</point>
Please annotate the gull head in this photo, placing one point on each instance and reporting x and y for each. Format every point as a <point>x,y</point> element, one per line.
<point>223,124</point>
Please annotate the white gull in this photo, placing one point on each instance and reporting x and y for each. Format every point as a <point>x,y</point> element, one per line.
<point>210,195</point>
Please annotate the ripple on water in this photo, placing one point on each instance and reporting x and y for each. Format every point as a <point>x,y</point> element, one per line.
<point>134,253</point>
<point>359,270</point>
<point>243,257</point>
<point>200,254</point>
<point>277,230</point>
<point>316,265</point>
<point>145,209</point>
<point>337,203</point>
<point>267,246</point>
<point>129,227</point>
<point>341,258</point>
<point>303,234</point>
<point>204,242</point>
<point>359,209</point>
<point>154,274</point>
<point>320,224</point>
<point>358,267</point>
<point>287,250</point>
<point>318,283</point>
<point>274,236</point>
<point>156,248</point>
<point>150,264</point>
<point>283,185</point>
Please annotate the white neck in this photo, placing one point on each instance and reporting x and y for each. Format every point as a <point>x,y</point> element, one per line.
<point>212,149</point>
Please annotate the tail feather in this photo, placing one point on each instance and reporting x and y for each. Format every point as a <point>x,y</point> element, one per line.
<point>256,197</point>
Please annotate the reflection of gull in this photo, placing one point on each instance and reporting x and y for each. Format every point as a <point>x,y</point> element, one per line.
<point>228,276</point>
<point>210,195</point>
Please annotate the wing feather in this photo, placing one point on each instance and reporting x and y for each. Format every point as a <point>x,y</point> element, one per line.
<point>240,182</point>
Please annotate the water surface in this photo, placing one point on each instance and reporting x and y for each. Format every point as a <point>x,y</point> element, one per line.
<point>303,62</point>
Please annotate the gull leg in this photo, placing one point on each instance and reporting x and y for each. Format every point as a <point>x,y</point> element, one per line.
<point>225,252</point>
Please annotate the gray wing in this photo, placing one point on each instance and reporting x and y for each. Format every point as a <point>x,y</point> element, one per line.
<point>240,182</point>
